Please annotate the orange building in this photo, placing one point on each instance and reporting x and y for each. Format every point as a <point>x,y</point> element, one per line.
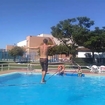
<point>29,42</point>
<point>9,47</point>
<point>34,41</point>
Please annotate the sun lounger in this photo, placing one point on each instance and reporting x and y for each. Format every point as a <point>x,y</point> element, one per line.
<point>94,69</point>
<point>102,69</point>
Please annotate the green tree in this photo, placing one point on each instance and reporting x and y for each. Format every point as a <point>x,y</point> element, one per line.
<point>59,49</point>
<point>95,41</point>
<point>92,39</point>
<point>16,51</point>
<point>62,49</point>
<point>70,30</point>
<point>52,51</point>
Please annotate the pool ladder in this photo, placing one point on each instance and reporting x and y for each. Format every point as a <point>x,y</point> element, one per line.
<point>30,69</point>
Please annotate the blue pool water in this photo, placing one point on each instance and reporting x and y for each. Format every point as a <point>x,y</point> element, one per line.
<point>22,89</point>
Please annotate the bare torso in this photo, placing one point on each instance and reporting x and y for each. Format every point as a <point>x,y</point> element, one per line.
<point>44,51</point>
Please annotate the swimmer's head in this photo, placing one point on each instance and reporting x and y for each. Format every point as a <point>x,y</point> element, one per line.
<point>79,67</point>
<point>61,67</point>
<point>45,41</point>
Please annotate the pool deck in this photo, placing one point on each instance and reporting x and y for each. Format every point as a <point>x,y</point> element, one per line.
<point>86,72</point>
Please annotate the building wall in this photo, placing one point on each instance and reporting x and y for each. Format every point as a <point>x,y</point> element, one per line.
<point>34,41</point>
<point>89,55</point>
<point>9,47</point>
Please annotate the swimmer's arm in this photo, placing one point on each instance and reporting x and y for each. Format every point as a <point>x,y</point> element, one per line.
<point>54,44</point>
<point>50,46</point>
<point>77,70</point>
<point>81,70</point>
<point>64,68</point>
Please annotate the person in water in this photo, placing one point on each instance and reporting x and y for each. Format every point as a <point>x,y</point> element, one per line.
<point>61,69</point>
<point>79,72</point>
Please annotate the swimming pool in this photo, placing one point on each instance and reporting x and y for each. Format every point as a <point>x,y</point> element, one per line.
<point>22,89</point>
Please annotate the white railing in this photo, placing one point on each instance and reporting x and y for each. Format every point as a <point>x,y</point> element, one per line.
<point>27,67</point>
<point>4,66</point>
<point>12,66</point>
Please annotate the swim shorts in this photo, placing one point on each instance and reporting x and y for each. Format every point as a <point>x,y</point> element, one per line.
<point>44,64</point>
<point>61,73</point>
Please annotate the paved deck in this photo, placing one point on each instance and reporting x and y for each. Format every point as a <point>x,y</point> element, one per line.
<point>86,72</point>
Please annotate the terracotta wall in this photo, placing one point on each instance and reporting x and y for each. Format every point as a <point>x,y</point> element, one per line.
<point>34,41</point>
<point>9,47</point>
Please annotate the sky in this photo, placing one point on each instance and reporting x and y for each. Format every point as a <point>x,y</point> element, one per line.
<point>21,18</point>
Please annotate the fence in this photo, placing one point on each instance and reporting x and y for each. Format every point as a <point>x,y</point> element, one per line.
<point>8,66</point>
<point>35,67</point>
<point>33,57</point>
<point>25,67</point>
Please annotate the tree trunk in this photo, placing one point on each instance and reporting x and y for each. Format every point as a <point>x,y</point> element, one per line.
<point>14,59</point>
<point>93,60</point>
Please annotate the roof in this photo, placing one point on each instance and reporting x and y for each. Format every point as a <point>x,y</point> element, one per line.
<point>83,49</point>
